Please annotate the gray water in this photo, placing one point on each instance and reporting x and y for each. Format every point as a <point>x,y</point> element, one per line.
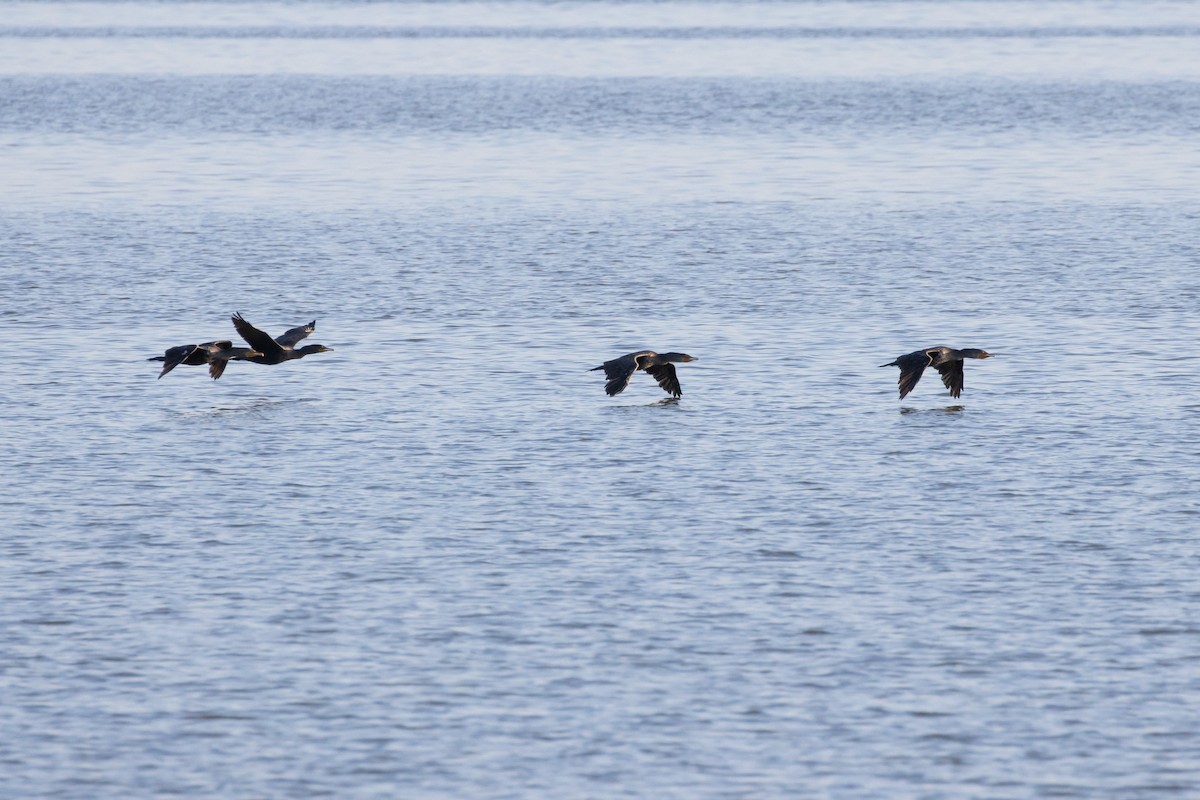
<point>438,562</point>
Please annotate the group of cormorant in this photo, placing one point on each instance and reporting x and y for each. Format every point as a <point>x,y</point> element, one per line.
<point>262,350</point>
<point>661,366</point>
<point>618,372</point>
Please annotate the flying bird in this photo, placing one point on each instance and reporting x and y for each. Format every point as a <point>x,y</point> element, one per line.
<point>216,354</point>
<point>946,360</point>
<point>280,349</point>
<point>620,371</point>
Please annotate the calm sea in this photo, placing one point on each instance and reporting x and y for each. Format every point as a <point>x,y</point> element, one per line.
<point>438,562</point>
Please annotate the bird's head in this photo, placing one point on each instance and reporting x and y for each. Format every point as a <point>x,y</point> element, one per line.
<point>972,352</point>
<point>679,357</point>
<point>309,349</point>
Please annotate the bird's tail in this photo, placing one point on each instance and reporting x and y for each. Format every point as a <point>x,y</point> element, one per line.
<point>892,364</point>
<point>593,369</point>
<point>157,358</point>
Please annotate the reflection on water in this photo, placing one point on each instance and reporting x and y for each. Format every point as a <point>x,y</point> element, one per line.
<point>946,410</point>
<point>263,406</point>
<point>666,402</point>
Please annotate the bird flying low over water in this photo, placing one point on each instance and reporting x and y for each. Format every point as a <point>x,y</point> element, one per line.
<point>946,360</point>
<point>216,354</point>
<point>620,371</point>
<point>280,349</point>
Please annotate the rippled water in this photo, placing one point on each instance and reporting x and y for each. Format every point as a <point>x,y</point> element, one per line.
<point>438,562</point>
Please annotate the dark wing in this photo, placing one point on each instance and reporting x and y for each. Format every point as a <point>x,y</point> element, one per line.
<point>296,335</point>
<point>952,376</point>
<point>619,372</point>
<point>260,341</point>
<point>174,357</point>
<point>216,367</point>
<point>665,375</point>
<point>912,366</point>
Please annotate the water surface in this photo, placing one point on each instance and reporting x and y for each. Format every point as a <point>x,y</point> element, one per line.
<point>438,562</point>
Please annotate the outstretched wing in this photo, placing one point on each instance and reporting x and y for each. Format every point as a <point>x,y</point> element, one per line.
<point>174,357</point>
<point>665,375</point>
<point>216,367</point>
<point>952,376</point>
<point>260,341</point>
<point>912,366</point>
<point>296,335</point>
<point>619,372</point>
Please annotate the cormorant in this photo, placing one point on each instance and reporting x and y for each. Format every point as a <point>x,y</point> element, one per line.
<point>280,349</point>
<point>947,361</point>
<point>216,354</point>
<point>620,371</point>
